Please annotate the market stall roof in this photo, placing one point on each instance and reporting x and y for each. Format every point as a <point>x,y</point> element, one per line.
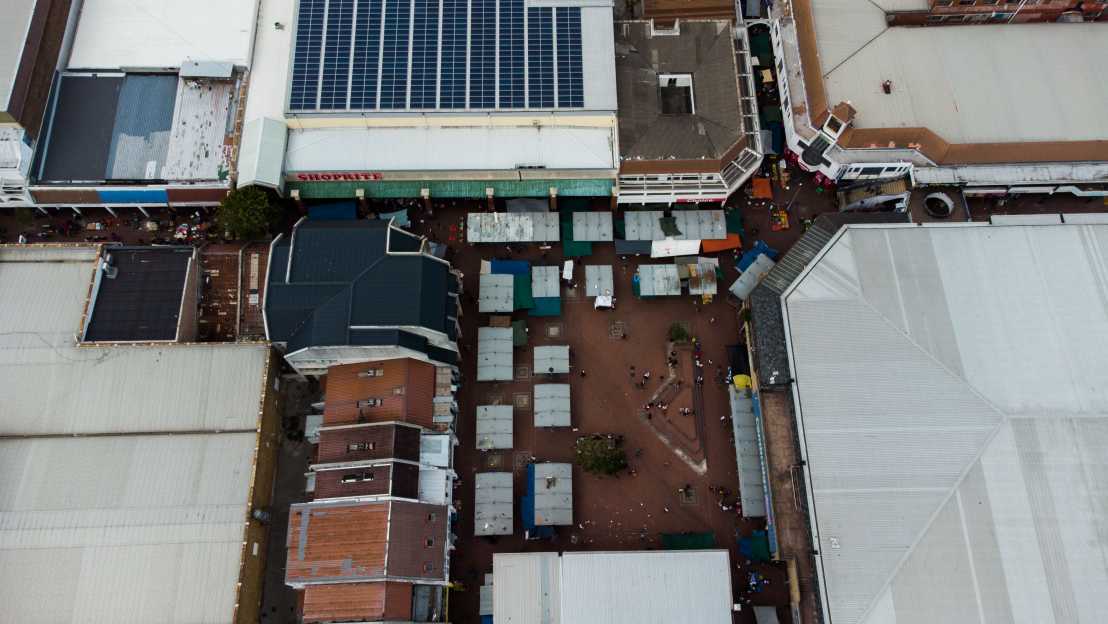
<point>553,486</point>
<point>494,427</point>
<point>515,227</point>
<point>656,280</point>
<point>497,293</point>
<point>702,278</point>
<point>552,405</point>
<point>494,353</point>
<point>544,281</point>
<point>700,224</point>
<point>752,481</point>
<point>751,276</point>
<point>672,247</point>
<point>551,360</point>
<point>592,226</point>
<point>640,225</point>
<point>598,280</point>
<point>493,503</point>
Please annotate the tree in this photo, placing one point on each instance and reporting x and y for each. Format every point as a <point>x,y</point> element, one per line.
<point>247,213</point>
<point>678,333</point>
<point>600,455</point>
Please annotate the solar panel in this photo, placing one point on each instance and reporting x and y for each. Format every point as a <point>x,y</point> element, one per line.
<point>435,54</point>
<point>452,72</point>
<point>305,59</point>
<point>336,55</point>
<point>425,42</point>
<point>511,54</point>
<point>482,54</point>
<point>540,57</point>
<point>571,89</point>
<point>367,54</point>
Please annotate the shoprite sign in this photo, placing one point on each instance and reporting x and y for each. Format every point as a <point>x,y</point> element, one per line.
<point>335,176</point>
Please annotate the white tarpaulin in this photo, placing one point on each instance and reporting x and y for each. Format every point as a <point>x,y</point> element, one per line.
<point>671,247</point>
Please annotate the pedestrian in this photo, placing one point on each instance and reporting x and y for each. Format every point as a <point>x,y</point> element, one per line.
<point>582,372</point>
<point>709,361</point>
<point>723,419</point>
<point>646,375</point>
<point>712,320</point>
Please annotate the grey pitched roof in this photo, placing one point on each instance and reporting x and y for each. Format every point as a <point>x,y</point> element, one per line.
<point>703,49</point>
<point>341,276</point>
<point>770,355</point>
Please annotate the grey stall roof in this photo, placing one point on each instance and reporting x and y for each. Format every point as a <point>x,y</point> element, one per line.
<point>494,426</point>
<point>552,405</point>
<point>553,494</point>
<point>640,225</point>
<point>752,484</point>
<point>492,507</point>
<point>656,280</point>
<point>505,227</point>
<point>592,226</point>
<point>598,280</point>
<point>544,281</point>
<point>700,224</point>
<point>497,292</point>
<point>551,359</point>
<point>494,353</point>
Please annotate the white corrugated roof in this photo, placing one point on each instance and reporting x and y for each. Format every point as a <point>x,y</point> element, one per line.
<point>656,280</point>
<point>494,353</point>
<point>494,426</point>
<point>493,502</point>
<point>954,412</point>
<point>50,386</point>
<point>598,280</point>
<point>551,359</point>
<point>17,19</point>
<point>496,293</point>
<point>553,494</point>
<point>612,587</point>
<point>262,153</point>
<point>642,225</point>
<point>748,449</point>
<point>136,528</point>
<point>552,405</point>
<point>512,227</point>
<point>592,226</point>
<point>953,84</point>
<point>544,281</point>
<point>114,34</point>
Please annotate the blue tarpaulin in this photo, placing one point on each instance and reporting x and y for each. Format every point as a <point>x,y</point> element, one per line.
<point>511,267</point>
<point>399,218</point>
<point>752,254</point>
<point>527,509</point>
<point>546,306</point>
<point>333,211</point>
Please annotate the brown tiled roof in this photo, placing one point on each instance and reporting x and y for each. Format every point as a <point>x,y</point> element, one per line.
<point>387,478</point>
<point>358,601</point>
<point>405,387</point>
<point>340,541</point>
<point>384,441</point>
<point>666,11</point>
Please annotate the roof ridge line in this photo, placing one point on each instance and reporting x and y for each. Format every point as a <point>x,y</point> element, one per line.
<point>985,444</point>
<point>860,48</point>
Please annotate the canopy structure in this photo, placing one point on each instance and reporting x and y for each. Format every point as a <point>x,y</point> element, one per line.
<point>551,360</point>
<point>592,226</point>
<point>494,353</point>
<point>544,282</point>
<point>658,280</point>
<point>497,293</point>
<point>553,494</point>
<point>598,280</point>
<point>552,407</point>
<point>505,227</point>
<point>492,506</point>
<point>748,448</point>
<point>751,276</point>
<point>688,225</point>
<point>672,247</point>
<point>701,276</point>
<point>494,427</point>
<point>643,225</point>
<point>700,224</point>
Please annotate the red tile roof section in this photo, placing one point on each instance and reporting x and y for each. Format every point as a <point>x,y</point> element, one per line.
<point>405,387</point>
<point>373,441</point>
<point>358,601</point>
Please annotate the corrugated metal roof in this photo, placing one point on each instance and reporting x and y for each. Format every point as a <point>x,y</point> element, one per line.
<point>50,386</point>
<point>114,528</point>
<point>494,427</point>
<point>553,494</point>
<point>657,280</point>
<point>598,280</point>
<point>198,145</point>
<point>544,282</point>
<point>262,153</point>
<point>949,470</point>
<point>512,227</point>
<point>496,293</point>
<point>551,360</point>
<point>140,136</point>
<point>552,405</point>
<point>493,503</point>
<point>752,475</point>
<point>700,224</point>
<point>494,353</point>
<point>612,588</point>
<point>643,225</point>
<point>592,226</point>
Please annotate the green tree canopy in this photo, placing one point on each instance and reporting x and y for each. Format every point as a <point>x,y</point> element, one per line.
<point>600,455</point>
<point>247,213</point>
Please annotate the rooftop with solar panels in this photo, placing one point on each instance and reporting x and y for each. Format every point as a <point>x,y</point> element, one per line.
<point>451,87</point>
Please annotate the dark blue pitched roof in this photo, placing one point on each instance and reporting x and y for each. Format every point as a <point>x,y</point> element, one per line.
<point>341,276</point>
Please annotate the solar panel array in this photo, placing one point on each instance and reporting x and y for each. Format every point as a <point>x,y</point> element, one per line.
<point>435,55</point>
